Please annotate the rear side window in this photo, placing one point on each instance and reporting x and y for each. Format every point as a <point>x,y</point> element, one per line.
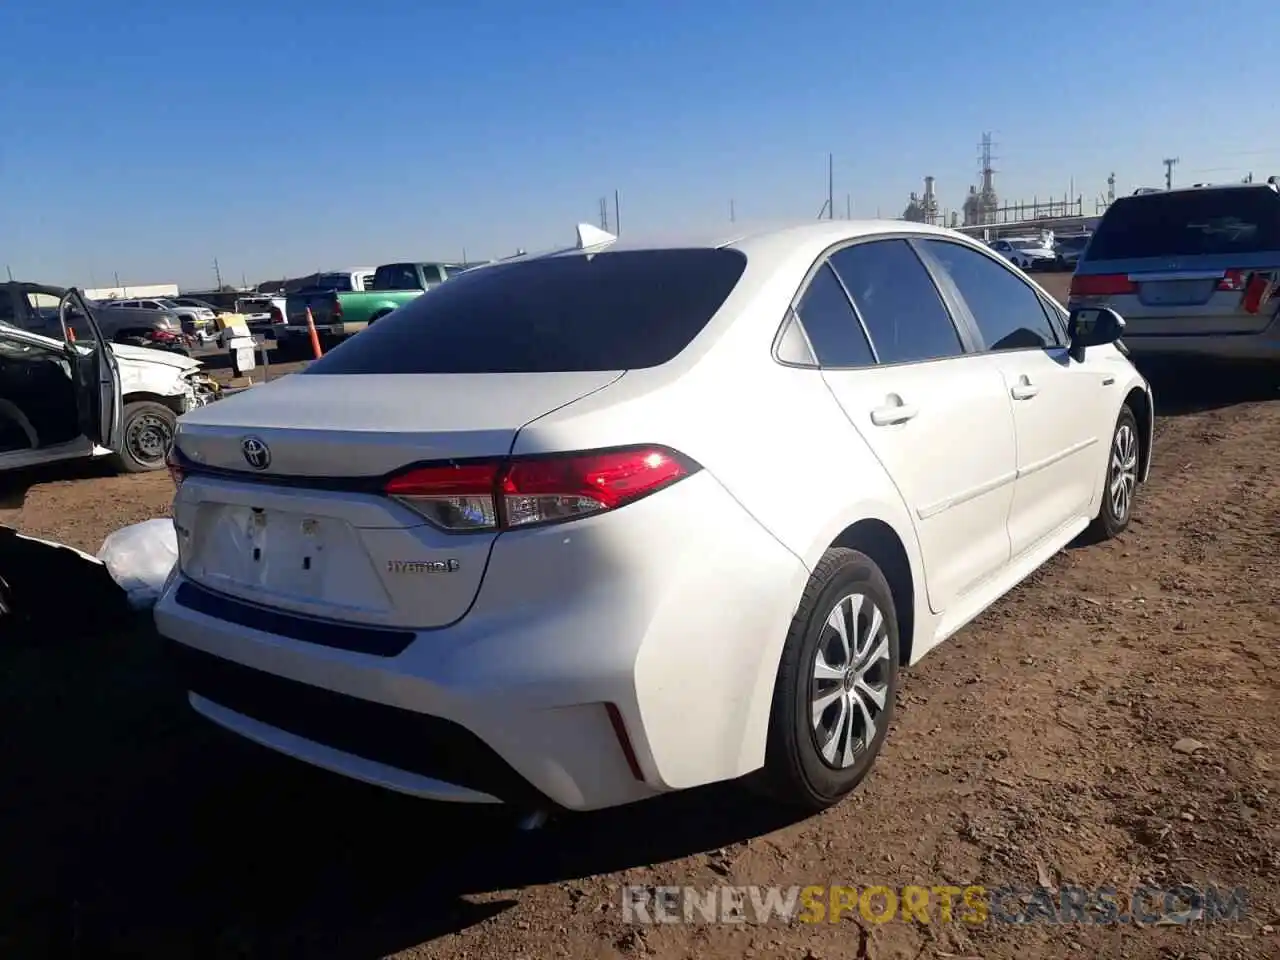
<point>1009,313</point>
<point>1189,223</point>
<point>609,311</point>
<point>396,276</point>
<point>832,326</point>
<point>898,302</point>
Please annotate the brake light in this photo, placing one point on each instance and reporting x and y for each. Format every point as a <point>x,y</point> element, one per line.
<point>1257,293</point>
<point>524,492</point>
<point>276,315</point>
<point>1232,280</point>
<point>336,312</point>
<point>1101,285</point>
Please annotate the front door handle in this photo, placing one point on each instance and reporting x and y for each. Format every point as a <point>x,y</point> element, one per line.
<point>892,413</point>
<point>1024,389</point>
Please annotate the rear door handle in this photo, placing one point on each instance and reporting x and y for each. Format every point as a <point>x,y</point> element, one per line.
<point>894,413</point>
<point>1024,389</point>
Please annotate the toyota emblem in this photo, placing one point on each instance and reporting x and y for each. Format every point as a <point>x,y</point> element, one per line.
<point>256,453</point>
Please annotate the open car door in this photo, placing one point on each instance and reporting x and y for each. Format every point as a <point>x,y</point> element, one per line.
<point>96,371</point>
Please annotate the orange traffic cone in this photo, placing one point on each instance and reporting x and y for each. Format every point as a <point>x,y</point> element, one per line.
<point>315,337</point>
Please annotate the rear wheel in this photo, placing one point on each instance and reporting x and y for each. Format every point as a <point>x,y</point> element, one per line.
<point>147,436</point>
<point>834,695</point>
<point>1121,479</point>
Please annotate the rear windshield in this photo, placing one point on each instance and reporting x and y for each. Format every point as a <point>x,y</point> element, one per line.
<point>610,311</point>
<point>1188,224</point>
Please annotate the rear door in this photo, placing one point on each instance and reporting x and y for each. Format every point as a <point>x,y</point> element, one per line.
<point>1186,262</point>
<point>97,373</point>
<point>937,417</point>
<point>1059,405</point>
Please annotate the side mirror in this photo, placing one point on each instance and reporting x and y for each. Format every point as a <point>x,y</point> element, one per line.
<point>1093,327</point>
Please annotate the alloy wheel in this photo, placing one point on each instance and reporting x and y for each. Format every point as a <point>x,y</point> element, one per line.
<point>1123,475</point>
<point>850,680</point>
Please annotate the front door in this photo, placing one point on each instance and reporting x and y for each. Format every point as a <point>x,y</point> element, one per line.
<point>1057,402</point>
<point>97,372</point>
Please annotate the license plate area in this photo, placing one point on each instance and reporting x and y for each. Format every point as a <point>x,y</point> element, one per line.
<point>1177,293</point>
<point>273,555</point>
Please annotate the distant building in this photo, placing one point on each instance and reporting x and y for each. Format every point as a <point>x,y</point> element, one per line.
<point>130,292</point>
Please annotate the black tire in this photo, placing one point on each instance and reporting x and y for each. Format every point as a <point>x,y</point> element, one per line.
<point>796,772</point>
<point>1123,459</point>
<point>374,319</point>
<point>146,437</point>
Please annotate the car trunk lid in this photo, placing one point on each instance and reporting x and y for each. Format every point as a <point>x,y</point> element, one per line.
<point>282,504</point>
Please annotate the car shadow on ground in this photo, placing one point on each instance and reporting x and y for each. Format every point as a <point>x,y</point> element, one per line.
<point>15,484</point>
<point>132,827</point>
<point>1188,388</point>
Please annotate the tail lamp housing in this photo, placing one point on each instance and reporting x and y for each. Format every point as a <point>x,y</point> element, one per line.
<point>522,492</point>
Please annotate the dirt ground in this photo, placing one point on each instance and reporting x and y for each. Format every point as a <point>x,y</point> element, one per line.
<point>1045,745</point>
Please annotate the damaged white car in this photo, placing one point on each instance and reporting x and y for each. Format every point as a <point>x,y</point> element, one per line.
<point>86,397</point>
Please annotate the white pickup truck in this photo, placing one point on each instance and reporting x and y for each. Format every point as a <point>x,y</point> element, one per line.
<point>86,397</point>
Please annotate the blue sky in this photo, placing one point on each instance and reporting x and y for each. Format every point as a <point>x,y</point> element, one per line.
<point>147,138</point>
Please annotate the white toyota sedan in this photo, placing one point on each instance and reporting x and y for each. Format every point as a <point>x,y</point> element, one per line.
<point>585,527</point>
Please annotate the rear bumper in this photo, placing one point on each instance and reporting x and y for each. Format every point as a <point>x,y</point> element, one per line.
<point>666,618</point>
<point>324,329</point>
<point>1241,347</point>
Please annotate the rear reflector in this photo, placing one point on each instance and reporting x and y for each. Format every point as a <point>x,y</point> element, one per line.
<point>524,492</point>
<point>1104,285</point>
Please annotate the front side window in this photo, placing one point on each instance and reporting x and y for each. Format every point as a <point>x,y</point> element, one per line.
<point>1008,312</point>
<point>896,298</point>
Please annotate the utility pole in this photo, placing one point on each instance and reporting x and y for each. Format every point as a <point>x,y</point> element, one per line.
<point>831,186</point>
<point>217,273</point>
<point>10,270</point>
<point>733,216</point>
<point>604,214</point>
<point>117,276</point>
<point>848,207</point>
<point>617,215</point>
<point>1169,164</point>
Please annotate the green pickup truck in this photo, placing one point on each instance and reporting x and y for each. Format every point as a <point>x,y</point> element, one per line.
<point>340,313</point>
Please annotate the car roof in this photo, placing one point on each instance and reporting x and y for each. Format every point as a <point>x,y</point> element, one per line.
<point>762,241</point>
<point>1201,188</point>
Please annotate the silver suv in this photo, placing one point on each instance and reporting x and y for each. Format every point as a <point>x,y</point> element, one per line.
<point>1193,271</point>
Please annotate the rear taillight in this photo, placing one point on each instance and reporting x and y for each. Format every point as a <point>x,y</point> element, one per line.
<point>276,315</point>
<point>336,310</point>
<point>1257,292</point>
<point>1233,280</point>
<point>527,491</point>
<point>173,461</point>
<point>1101,285</point>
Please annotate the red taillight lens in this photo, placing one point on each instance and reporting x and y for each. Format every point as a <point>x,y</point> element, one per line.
<point>459,498</point>
<point>536,490</point>
<point>1258,291</point>
<point>1233,280</point>
<point>336,311</point>
<point>1103,285</point>
<point>276,315</point>
<point>173,460</point>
